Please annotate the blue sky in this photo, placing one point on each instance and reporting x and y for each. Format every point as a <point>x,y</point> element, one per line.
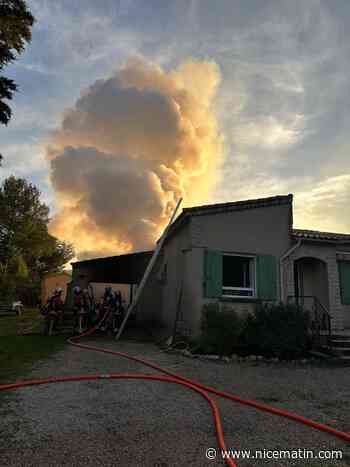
<point>282,105</point>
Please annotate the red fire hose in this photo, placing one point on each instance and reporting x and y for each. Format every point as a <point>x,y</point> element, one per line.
<point>201,389</point>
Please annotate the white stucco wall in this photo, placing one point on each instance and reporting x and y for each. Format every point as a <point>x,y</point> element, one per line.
<point>263,230</point>
<point>161,294</point>
<point>327,253</point>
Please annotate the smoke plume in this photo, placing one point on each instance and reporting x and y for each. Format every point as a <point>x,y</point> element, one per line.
<point>128,149</point>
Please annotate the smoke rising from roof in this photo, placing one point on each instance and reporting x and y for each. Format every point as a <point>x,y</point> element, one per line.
<point>129,148</point>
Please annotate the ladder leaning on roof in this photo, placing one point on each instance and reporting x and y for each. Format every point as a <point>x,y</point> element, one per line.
<point>148,271</point>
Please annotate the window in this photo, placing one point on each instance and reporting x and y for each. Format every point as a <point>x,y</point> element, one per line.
<point>235,275</point>
<point>344,280</point>
<point>238,276</point>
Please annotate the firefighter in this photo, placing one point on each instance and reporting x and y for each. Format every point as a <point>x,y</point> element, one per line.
<point>104,307</point>
<point>78,299</point>
<point>58,303</point>
<point>118,311</point>
<point>54,310</point>
<point>93,308</point>
<point>84,311</point>
<point>109,306</point>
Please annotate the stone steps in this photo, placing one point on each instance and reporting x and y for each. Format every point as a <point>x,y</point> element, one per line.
<point>340,345</point>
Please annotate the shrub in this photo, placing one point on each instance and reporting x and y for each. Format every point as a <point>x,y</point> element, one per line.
<point>220,330</point>
<point>276,331</point>
<point>7,288</point>
<point>272,331</point>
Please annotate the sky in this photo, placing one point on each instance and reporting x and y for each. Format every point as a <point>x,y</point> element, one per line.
<point>212,101</point>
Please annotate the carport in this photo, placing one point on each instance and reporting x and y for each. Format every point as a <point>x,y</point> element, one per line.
<point>124,272</point>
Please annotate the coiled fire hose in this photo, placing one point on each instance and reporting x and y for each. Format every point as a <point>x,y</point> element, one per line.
<point>201,389</point>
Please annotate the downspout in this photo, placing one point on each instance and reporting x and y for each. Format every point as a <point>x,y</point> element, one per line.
<point>282,258</point>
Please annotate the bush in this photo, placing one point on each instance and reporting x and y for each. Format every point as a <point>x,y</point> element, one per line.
<point>7,288</point>
<point>220,331</point>
<point>276,331</point>
<point>25,290</point>
<point>272,331</point>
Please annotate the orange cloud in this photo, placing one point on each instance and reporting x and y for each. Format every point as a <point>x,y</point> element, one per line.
<point>129,148</point>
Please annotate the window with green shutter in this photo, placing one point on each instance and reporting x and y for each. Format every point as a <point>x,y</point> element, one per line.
<point>244,276</point>
<point>344,279</point>
<point>266,277</point>
<point>212,274</point>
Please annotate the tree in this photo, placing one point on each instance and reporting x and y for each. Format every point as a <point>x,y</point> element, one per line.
<point>27,250</point>
<point>54,257</point>
<point>16,23</point>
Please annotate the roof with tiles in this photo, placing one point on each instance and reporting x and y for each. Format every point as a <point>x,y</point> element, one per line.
<point>301,234</point>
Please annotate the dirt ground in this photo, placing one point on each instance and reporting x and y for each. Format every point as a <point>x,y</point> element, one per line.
<point>133,423</point>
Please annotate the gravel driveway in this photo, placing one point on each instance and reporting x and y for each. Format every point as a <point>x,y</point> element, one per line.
<point>133,423</point>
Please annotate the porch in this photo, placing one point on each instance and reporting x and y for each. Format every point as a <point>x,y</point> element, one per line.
<point>312,279</point>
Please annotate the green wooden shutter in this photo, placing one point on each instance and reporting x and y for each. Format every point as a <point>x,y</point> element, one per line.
<point>266,277</point>
<point>212,274</point>
<point>344,277</point>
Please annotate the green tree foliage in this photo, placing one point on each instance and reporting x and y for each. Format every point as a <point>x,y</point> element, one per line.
<point>16,23</point>
<point>27,250</point>
<point>55,256</point>
<point>22,268</point>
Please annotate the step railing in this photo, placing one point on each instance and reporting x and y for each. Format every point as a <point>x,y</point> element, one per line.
<point>320,319</point>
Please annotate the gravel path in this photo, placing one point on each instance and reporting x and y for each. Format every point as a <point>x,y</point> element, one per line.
<point>133,423</point>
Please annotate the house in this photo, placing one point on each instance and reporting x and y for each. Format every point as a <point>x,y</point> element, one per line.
<point>240,253</point>
<point>52,281</point>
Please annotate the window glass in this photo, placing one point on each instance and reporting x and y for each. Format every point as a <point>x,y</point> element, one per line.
<point>237,271</point>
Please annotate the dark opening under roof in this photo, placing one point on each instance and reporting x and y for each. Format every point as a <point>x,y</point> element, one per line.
<point>122,269</point>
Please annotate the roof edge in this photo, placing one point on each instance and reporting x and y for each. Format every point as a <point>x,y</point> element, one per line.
<point>242,204</point>
<point>318,235</point>
<point>112,257</point>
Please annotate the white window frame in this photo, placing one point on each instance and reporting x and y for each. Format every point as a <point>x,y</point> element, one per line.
<point>252,289</point>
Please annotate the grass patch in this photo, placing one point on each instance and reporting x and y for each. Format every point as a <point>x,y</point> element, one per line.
<point>19,353</point>
<point>10,323</point>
